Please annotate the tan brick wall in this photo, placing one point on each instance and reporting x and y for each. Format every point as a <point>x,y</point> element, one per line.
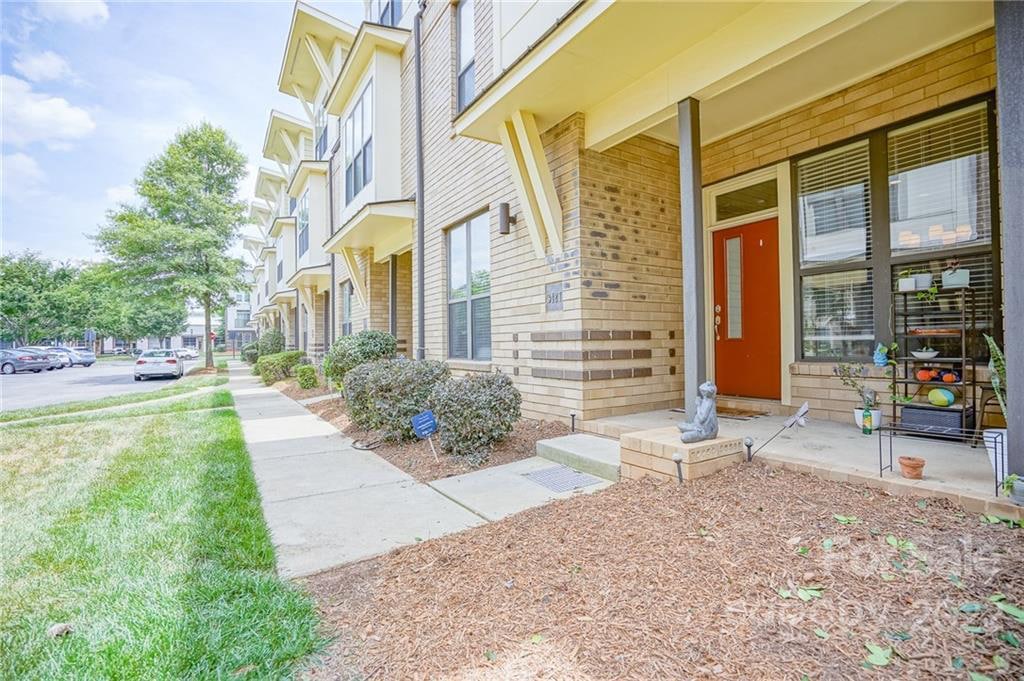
<point>958,71</point>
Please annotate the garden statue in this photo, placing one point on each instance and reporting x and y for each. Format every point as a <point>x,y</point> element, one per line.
<point>704,425</point>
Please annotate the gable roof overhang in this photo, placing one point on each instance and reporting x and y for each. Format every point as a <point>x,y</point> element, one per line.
<point>282,124</point>
<point>313,44</point>
<point>370,39</point>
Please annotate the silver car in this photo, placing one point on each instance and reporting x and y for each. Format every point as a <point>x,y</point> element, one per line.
<point>65,357</point>
<point>55,360</point>
<point>86,357</point>
<point>158,363</point>
<point>13,361</point>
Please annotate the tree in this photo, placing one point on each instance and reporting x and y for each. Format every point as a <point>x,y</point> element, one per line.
<point>29,297</point>
<point>177,238</point>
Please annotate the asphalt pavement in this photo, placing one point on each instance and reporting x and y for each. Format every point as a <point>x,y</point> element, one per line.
<point>102,379</point>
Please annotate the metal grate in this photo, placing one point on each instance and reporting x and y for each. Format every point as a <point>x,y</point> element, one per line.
<point>561,478</point>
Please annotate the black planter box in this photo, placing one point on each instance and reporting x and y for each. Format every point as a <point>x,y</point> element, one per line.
<point>944,422</point>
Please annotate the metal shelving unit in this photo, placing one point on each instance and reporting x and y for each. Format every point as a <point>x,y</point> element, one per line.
<point>956,321</point>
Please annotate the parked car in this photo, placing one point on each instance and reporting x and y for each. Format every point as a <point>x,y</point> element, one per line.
<point>158,363</point>
<point>55,360</point>
<point>86,356</point>
<point>189,353</point>
<point>72,355</point>
<point>14,361</point>
<point>120,351</point>
<point>136,352</point>
<point>65,357</point>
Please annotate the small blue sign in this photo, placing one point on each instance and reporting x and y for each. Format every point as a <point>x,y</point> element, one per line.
<point>424,424</point>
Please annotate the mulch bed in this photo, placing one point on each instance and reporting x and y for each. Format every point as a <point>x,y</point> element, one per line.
<point>704,579</point>
<point>291,389</point>
<point>416,458</point>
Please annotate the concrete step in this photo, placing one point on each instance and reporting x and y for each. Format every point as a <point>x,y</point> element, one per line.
<point>586,453</point>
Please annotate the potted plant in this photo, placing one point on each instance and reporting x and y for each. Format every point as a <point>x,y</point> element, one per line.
<point>955,276</point>
<point>995,438</point>
<point>927,352</point>
<point>905,281</point>
<point>911,467</point>
<point>1013,487</point>
<point>852,376</point>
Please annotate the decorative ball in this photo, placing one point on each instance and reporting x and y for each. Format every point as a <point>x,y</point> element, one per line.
<point>924,375</point>
<point>941,397</point>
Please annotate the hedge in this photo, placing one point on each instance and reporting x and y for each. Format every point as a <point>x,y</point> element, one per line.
<point>277,367</point>
<point>305,375</point>
<point>385,394</point>
<point>474,413</point>
<point>348,352</point>
<point>270,342</point>
<point>250,352</point>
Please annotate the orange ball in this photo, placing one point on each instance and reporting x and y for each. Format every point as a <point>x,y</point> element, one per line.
<point>949,378</point>
<point>924,375</point>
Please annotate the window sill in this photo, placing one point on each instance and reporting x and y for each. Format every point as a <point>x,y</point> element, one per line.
<point>469,365</point>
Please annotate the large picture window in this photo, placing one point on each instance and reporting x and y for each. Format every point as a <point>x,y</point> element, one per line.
<point>909,198</point>
<point>302,218</point>
<point>469,290</point>
<point>465,58</point>
<point>359,144</point>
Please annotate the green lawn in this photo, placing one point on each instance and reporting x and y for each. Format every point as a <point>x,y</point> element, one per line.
<point>145,533</point>
<point>184,385</point>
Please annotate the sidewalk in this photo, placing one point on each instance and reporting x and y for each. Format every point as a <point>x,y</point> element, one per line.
<point>325,502</point>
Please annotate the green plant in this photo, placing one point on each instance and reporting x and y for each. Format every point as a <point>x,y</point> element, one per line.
<point>852,376</point>
<point>278,366</point>
<point>1008,483</point>
<point>385,394</point>
<point>305,375</point>
<point>349,352</point>
<point>474,413</point>
<point>929,295</point>
<point>250,352</point>
<point>892,353</point>
<point>997,368</point>
<point>270,342</point>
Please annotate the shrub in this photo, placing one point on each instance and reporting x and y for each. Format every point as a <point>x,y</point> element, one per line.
<point>349,352</point>
<point>305,375</point>
<point>385,394</point>
<point>220,347</point>
<point>474,413</point>
<point>250,352</point>
<point>277,367</point>
<point>271,342</point>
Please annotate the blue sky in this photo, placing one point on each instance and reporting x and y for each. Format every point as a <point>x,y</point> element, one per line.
<point>92,90</point>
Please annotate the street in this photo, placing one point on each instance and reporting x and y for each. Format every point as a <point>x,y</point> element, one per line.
<point>102,379</point>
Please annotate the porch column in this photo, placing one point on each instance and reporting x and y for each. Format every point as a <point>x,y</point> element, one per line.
<point>1009,18</point>
<point>694,356</point>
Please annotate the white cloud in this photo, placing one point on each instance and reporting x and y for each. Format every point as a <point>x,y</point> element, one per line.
<point>30,116</point>
<point>41,66</point>
<point>122,193</point>
<point>83,12</point>
<point>21,176</point>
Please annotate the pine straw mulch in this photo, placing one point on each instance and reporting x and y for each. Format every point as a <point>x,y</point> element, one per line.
<point>290,388</point>
<point>658,581</point>
<point>416,458</point>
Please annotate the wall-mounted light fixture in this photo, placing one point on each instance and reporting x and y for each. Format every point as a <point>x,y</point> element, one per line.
<point>505,219</point>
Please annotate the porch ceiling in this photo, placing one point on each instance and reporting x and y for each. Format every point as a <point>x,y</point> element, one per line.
<point>315,276</point>
<point>384,226</point>
<point>744,61</point>
<point>284,297</point>
<point>274,148</point>
<point>311,29</point>
<point>279,224</point>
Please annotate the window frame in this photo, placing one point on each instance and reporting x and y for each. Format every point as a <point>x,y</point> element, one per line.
<point>346,307</point>
<point>882,261</point>
<point>320,131</point>
<point>302,226</point>
<point>470,298</point>
<point>469,68</point>
<point>361,160</point>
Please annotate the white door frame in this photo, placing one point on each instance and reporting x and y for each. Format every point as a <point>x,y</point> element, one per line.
<point>780,172</point>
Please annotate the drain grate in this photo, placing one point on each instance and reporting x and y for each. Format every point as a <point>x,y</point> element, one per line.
<point>561,478</point>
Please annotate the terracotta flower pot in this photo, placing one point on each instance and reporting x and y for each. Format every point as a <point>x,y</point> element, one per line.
<point>911,467</point>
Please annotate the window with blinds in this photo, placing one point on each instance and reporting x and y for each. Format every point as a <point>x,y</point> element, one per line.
<point>469,289</point>
<point>939,192</point>
<point>838,314</point>
<point>834,203</point>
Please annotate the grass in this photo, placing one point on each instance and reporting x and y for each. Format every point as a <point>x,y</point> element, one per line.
<point>147,536</point>
<point>213,400</point>
<point>180,387</point>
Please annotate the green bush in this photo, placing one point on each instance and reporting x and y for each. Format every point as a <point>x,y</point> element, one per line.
<point>349,352</point>
<point>385,394</point>
<point>474,413</point>
<point>250,352</point>
<point>305,375</point>
<point>271,342</point>
<point>278,366</point>
<point>220,347</point>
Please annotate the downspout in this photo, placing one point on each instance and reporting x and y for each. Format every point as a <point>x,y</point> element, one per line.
<point>329,340</point>
<point>421,333</point>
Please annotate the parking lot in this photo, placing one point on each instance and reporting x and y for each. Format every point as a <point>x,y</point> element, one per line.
<point>21,391</point>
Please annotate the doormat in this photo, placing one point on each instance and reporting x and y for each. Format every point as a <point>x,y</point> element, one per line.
<point>734,413</point>
<point>561,478</point>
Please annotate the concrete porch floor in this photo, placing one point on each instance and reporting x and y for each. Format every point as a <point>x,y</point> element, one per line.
<point>838,451</point>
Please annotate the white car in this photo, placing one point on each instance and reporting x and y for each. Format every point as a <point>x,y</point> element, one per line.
<point>158,363</point>
<point>188,353</point>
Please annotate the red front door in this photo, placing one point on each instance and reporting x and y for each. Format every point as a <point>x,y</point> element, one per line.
<point>748,351</point>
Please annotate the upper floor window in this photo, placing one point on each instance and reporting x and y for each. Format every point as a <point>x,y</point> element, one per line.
<point>469,289</point>
<point>321,133</point>
<point>346,308</point>
<point>465,42</point>
<point>280,270</point>
<point>387,12</point>
<point>303,221</point>
<point>291,205</point>
<point>359,144</point>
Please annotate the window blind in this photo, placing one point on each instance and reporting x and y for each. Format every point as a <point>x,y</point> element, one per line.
<point>835,206</point>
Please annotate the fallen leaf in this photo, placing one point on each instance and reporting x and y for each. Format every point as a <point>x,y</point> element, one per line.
<point>1009,638</point>
<point>490,655</point>
<point>978,676</point>
<point>899,636</point>
<point>785,593</point>
<point>536,638</point>
<point>1011,610</point>
<point>999,662</point>
<point>974,630</point>
<point>878,656</point>
<point>828,543</point>
<point>922,504</point>
<point>821,633</point>
<point>970,607</point>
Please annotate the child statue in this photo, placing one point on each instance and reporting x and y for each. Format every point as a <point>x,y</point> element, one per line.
<point>704,425</point>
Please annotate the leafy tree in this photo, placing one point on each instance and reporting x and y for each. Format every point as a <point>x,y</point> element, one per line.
<point>28,311</point>
<point>177,238</point>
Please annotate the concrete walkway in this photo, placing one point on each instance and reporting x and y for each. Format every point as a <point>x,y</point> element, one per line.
<point>325,502</point>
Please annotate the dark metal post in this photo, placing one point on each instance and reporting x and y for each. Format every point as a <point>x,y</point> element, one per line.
<point>1009,19</point>
<point>690,205</point>
<point>417,38</point>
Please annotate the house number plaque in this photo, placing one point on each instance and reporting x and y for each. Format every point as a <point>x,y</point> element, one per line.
<point>553,297</point>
